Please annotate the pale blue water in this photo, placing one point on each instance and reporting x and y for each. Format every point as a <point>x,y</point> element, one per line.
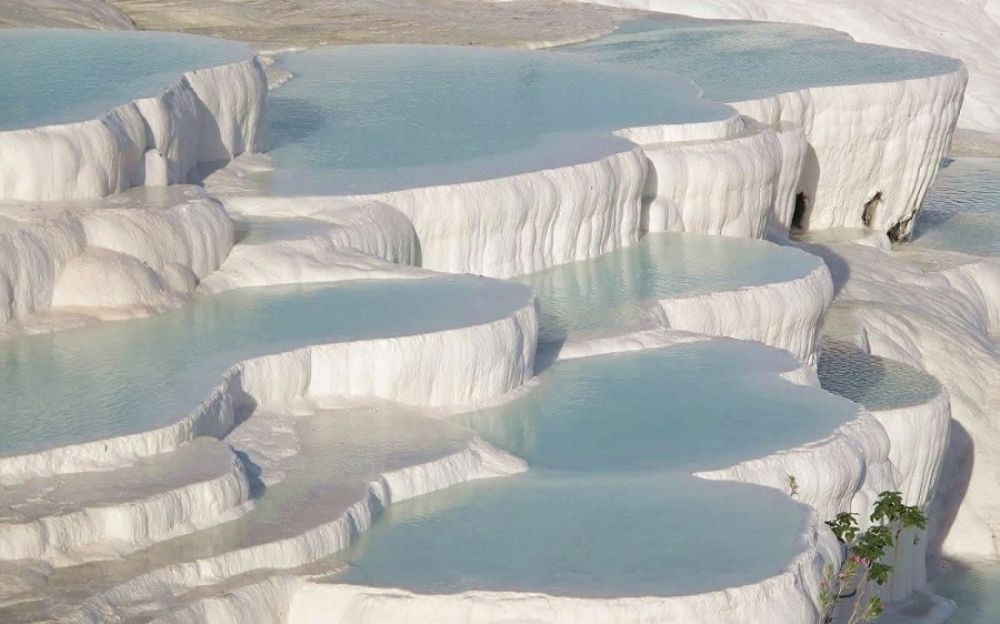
<point>734,61</point>
<point>117,378</point>
<point>360,119</point>
<point>962,209</point>
<point>56,76</point>
<point>609,507</point>
<point>612,535</point>
<point>874,382</point>
<point>613,293</point>
<point>663,409</point>
<point>976,591</point>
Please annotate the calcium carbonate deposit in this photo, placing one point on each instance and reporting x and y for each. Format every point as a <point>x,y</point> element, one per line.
<point>457,334</point>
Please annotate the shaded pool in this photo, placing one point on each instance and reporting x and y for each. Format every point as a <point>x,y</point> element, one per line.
<point>976,591</point>
<point>875,382</point>
<point>962,209</point>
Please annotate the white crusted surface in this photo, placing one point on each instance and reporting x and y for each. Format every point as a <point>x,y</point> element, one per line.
<point>129,256</point>
<point>636,341</point>
<point>782,598</point>
<point>940,323</point>
<point>457,367</point>
<point>499,228</point>
<point>527,222</point>
<point>478,460</point>
<point>727,128</point>
<point>209,116</point>
<point>344,240</point>
<point>70,519</point>
<point>886,138</point>
<point>966,29</point>
<point>788,315</point>
<point>731,187</point>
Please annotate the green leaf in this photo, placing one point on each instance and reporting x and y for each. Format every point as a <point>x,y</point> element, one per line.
<point>844,527</point>
<point>879,572</point>
<point>888,508</point>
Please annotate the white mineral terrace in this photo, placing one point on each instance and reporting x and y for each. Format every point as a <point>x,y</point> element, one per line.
<point>458,334</point>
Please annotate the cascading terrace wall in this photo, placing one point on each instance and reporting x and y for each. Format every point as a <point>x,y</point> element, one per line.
<point>210,116</point>
<point>868,144</point>
<point>837,145</point>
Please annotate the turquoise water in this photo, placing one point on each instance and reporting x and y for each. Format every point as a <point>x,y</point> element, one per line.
<point>567,535</point>
<point>58,76</point>
<point>734,61</point>
<point>962,209</point>
<point>360,119</point>
<point>609,507</point>
<point>874,382</point>
<point>976,591</point>
<point>613,293</point>
<point>662,409</point>
<point>118,378</point>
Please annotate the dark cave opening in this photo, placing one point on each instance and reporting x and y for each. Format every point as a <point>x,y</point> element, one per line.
<point>801,207</point>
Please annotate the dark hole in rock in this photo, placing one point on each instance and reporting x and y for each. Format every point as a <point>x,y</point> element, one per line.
<point>901,231</point>
<point>868,216</point>
<point>801,206</point>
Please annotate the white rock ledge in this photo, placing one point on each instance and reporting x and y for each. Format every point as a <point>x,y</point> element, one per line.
<point>478,460</point>
<point>938,322</point>
<point>863,140</point>
<point>732,186</point>
<point>70,521</point>
<point>844,471</point>
<point>919,437</point>
<point>526,222</point>
<point>532,221</point>
<point>782,598</point>
<point>728,128</point>
<point>349,240</point>
<point>457,367</point>
<point>868,139</point>
<point>825,157</point>
<point>209,116</point>
<point>133,256</point>
<point>838,156</point>
<point>787,315</point>
<point>787,597</point>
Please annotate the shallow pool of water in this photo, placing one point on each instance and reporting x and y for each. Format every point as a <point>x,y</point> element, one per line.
<point>359,119</point>
<point>117,378</point>
<point>613,293</point>
<point>691,407</point>
<point>609,506</point>
<point>962,209</point>
<point>562,534</point>
<point>874,382</point>
<point>734,61</point>
<point>58,76</point>
<point>976,591</point>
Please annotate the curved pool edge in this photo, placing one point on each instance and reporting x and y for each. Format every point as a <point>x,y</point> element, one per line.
<point>391,365</point>
<point>209,115</point>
